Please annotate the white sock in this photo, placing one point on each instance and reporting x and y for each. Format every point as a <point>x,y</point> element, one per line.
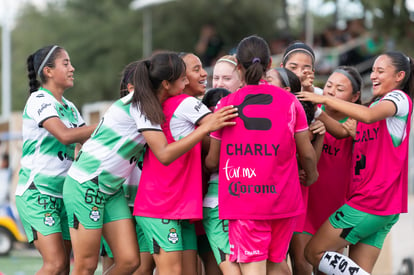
<point>333,263</point>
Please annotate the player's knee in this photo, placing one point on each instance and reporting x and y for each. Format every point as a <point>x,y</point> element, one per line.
<point>55,267</point>
<point>129,264</point>
<point>86,267</point>
<point>311,255</point>
<point>302,267</point>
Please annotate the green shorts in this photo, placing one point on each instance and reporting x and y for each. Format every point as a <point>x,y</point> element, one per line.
<point>105,249</point>
<point>42,213</point>
<point>217,233</point>
<point>362,227</point>
<point>142,242</point>
<point>203,246</point>
<point>170,235</point>
<point>86,205</point>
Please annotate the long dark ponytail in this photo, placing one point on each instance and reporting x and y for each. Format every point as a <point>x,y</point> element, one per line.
<point>254,55</point>
<point>148,77</point>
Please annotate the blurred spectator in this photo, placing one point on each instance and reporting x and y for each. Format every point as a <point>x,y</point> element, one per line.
<point>333,36</point>
<point>209,46</point>
<point>5,161</point>
<point>373,44</point>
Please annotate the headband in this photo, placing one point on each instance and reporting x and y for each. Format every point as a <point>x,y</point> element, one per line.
<point>355,87</point>
<point>409,64</point>
<point>127,76</point>
<point>283,75</point>
<point>296,50</point>
<point>46,59</point>
<point>227,60</point>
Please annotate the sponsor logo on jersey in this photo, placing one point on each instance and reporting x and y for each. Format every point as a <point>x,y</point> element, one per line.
<point>367,135</point>
<point>197,107</point>
<point>255,123</point>
<point>256,149</point>
<point>237,188</point>
<point>251,253</point>
<point>44,106</point>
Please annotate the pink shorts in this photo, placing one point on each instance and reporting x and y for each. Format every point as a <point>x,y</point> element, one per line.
<point>258,240</point>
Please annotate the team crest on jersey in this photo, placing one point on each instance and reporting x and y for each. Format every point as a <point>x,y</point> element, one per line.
<point>173,236</point>
<point>49,220</point>
<point>95,215</point>
<point>61,112</point>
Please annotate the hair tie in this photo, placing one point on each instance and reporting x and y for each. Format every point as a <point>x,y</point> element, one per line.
<point>42,65</point>
<point>147,63</point>
<point>256,60</point>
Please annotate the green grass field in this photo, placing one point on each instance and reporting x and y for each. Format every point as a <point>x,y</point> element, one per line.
<point>24,261</point>
<point>21,261</point>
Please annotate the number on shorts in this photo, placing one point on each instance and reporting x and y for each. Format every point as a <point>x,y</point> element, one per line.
<point>45,202</point>
<point>92,196</point>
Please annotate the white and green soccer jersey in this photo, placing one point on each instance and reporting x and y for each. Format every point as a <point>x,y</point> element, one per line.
<point>211,198</point>
<point>396,124</point>
<point>115,147</point>
<point>45,161</point>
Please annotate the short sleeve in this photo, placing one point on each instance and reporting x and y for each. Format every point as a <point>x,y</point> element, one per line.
<point>400,99</point>
<point>397,124</point>
<point>191,109</point>
<point>141,121</point>
<point>40,107</point>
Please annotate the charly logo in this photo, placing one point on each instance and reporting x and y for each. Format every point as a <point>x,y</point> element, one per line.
<point>173,236</point>
<point>95,215</point>
<point>49,220</point>
<point>360,164</point>
<point>255,123</point>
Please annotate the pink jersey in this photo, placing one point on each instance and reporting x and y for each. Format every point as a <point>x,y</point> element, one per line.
<point>301,219</point>
<point>329,192</point>
<point>173,191</point>
<point>380,170</point>
<point>258,172</point>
